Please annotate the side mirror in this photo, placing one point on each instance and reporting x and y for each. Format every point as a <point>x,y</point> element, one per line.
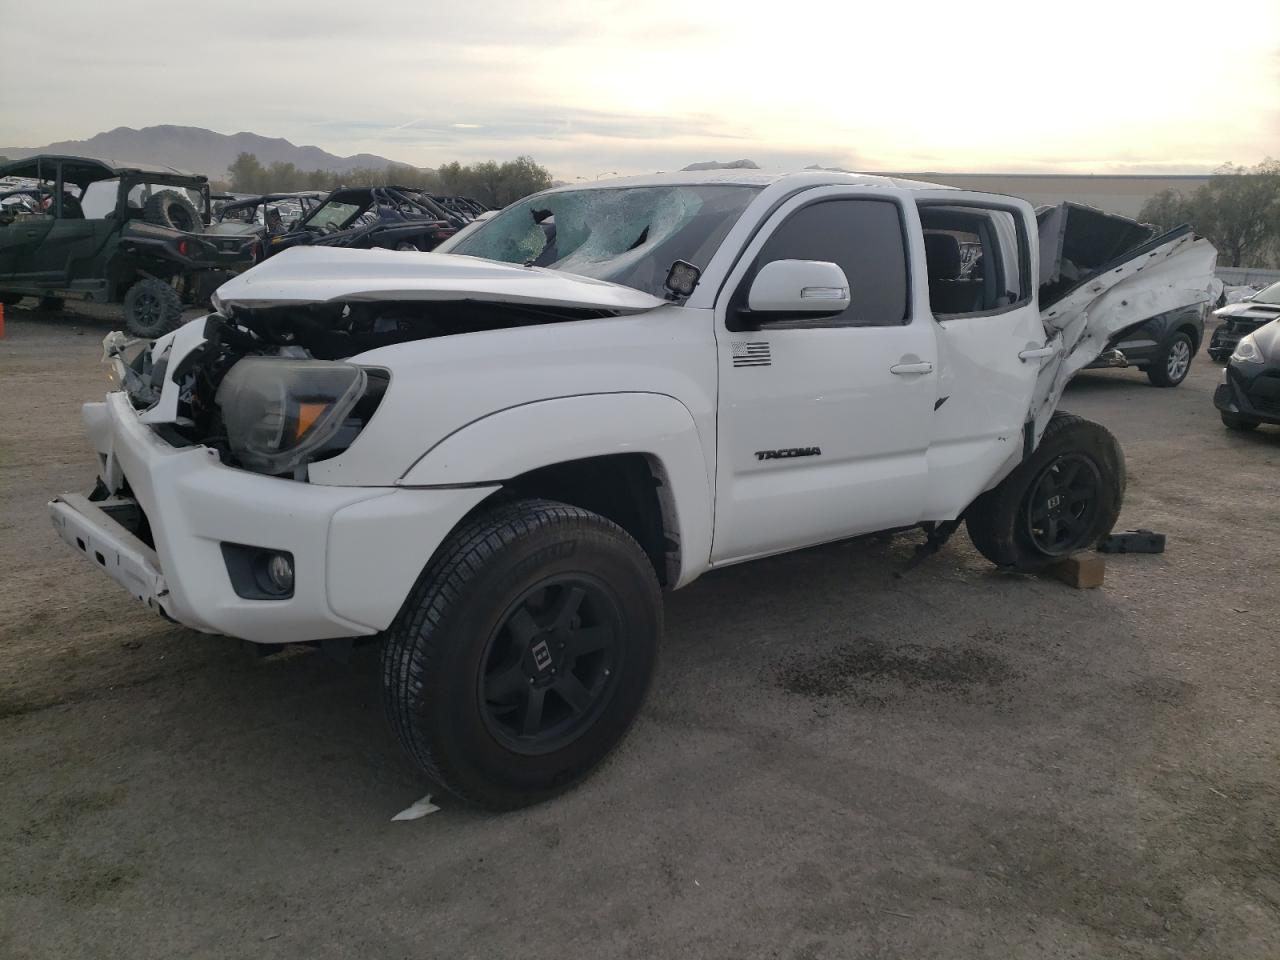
<point>805,287</point>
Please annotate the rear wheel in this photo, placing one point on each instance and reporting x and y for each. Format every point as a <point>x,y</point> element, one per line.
<point>151,308</point>
<point>1064,498</point>
<point>1234,421</point>
<point>524,652</point>
<point>1173,363</point>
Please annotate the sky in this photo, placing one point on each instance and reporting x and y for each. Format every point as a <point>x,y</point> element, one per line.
<point>590,88</point>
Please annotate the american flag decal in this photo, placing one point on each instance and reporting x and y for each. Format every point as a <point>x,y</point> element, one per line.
<point>751,353</point>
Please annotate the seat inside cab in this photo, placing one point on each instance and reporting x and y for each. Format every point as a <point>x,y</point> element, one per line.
<point>969,259</point>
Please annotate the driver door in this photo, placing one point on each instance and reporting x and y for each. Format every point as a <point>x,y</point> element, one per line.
<point>824,425</point>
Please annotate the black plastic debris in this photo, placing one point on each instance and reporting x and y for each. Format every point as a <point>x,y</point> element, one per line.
<point>1133,541</point>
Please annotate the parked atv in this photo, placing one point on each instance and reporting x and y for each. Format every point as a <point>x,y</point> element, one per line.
<point>115,234</point>
<point>265,216</point>
<point>393,218</point>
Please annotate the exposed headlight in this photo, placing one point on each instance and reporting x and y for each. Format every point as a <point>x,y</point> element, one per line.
<point>1247,351</point>
<point>280,412</point>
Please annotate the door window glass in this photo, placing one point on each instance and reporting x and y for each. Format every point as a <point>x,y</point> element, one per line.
<point>865,239</point>
<point>975,258</point>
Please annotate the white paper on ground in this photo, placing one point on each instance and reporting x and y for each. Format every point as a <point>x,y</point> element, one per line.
<point>417,811</point>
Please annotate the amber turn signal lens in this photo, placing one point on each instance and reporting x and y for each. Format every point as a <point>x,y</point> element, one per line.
<point>308,414</point>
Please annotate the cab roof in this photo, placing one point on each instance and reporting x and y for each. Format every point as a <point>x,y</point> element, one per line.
<point>83,171</point>
<point>756,178</point>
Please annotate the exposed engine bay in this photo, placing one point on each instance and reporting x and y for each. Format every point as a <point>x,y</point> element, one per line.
<point>319,401</point>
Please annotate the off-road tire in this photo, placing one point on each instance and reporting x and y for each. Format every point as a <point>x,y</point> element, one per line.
<point>434,654</point>
<point>1179,346</point>
<point>51,304</point>
<point>1234,421</point>
<point>151,308</point>
<point>171,209</point>
<point>999,521</point>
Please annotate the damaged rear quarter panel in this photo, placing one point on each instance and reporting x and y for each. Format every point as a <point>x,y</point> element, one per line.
<point>1172,271</point>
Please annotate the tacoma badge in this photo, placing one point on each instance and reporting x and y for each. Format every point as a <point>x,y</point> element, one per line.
<point>789,452</point>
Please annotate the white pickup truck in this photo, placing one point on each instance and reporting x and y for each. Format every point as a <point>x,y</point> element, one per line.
<point>494,459</point>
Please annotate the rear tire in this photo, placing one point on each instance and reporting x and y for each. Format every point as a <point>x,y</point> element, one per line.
<point>1172,364</point>
<point>171,209</point>
<point>151,308</point>
<point>524,652</point>
<point>1064,498</point>
<point>1234,421</point>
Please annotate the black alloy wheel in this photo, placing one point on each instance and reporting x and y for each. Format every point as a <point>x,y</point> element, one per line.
<point>1062,508</point>
<point>550,668</point>
<point>523,653</point>
<point>1065,497</point>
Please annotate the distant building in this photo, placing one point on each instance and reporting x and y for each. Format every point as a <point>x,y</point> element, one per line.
<point>1114,193</point>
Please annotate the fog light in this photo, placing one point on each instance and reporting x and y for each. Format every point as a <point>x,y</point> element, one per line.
<point>259,573</point>
<point>280,572</point>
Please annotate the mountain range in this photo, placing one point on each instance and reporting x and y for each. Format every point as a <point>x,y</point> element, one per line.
<point>197,150</point>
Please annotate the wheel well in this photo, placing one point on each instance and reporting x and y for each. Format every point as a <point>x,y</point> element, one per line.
<point>624,488</point>
<point>1190,331</point>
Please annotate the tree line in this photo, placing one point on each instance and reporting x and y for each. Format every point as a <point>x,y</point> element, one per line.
<point>1238,210</point>
<point>493,184</point>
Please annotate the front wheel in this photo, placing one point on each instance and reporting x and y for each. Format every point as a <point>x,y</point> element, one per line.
<point>1173,363</point>
<point>1064,498</point>
<point>523,653</point>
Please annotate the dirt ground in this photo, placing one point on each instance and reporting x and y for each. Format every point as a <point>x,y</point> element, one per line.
<point>835,761</point>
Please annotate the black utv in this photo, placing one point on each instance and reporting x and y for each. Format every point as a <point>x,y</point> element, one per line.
<point>110,233</point>
<point>364,218</point>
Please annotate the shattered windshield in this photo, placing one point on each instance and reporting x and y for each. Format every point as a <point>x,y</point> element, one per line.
<point>627,235</point>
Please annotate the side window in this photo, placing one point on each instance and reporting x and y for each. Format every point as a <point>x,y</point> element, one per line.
<point>863,237</point>
<point>975,259</point>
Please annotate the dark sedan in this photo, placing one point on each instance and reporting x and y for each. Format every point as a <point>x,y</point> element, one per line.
<point>1240,319</point>
<point>1250,390</point>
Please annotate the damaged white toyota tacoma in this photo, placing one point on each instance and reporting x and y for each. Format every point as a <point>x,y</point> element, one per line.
<point>494,459</point>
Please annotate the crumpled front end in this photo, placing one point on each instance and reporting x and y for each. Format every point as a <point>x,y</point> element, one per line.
<point>193,538</point>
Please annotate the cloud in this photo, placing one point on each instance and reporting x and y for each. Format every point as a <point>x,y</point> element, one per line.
<point>586,85</point>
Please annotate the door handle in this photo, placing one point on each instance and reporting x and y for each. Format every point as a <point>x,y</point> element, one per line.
<point>902,369</point>
<point>1038,354</point>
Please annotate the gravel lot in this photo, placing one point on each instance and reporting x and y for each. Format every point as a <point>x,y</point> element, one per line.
<point>835,761</point>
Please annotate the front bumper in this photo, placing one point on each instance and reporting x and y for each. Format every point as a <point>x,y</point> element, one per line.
<point>1255,395</point>
<point>357,550</point>
<point>1230,332</point>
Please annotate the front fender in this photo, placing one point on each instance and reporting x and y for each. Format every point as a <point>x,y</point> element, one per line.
<point>514,441</point>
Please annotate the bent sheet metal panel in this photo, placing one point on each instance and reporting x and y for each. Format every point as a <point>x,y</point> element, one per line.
<point>1157,277</point>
